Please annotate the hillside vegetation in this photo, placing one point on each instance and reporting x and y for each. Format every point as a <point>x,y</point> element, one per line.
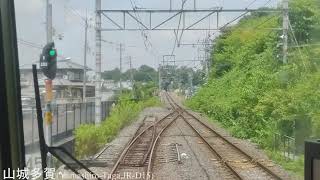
<point>251,92</point>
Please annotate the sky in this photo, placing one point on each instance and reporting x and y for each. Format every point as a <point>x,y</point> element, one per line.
<point>68,23</point>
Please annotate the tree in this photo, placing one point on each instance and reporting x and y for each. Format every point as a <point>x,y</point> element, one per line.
<point>303,16</point>
<point>111,75</point>
<point>143,74</point>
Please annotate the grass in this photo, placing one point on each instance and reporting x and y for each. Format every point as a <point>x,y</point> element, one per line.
<point>296,166</point>
<point>89,139</point>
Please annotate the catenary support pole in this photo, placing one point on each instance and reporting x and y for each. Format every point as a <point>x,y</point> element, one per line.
<point>98,64</point>
<point>159,72</point>
<point>120,79</point>
<point>131,71</point>
<point>85,60</point>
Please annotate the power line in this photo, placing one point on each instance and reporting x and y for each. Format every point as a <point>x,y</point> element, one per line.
<point>251,3</point>
<point>75,12</point>
<point>267,20</point>
<point>30,44</point>
<point>146,41</point>
<point>143,34</point>
<point>296,42</point>
<point>34,45</point>
<point>266,3</point>
<point>177,32</point>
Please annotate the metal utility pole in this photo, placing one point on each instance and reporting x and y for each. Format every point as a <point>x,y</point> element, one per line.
<point>206,60</point>
<point>159,72</point>
<point>120,79</point>
<point>49,21</point>
<point>190,84</point>
<point>85,60</point>
<point>98,64</point>
<point>285,30</point>
<point>48,83</point>
<point>207,57</point>
<point>131,71</point>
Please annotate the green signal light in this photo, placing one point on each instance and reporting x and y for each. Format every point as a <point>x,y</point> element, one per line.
<point>52,52</point>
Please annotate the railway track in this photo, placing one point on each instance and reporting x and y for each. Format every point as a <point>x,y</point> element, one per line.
<point>241,164</point>
<point>137,156</point>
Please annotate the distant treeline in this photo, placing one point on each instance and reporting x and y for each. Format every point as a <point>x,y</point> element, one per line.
<point>177,76</point>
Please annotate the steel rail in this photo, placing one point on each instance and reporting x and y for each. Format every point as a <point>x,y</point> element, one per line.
<point>227,164</point>
<point>171,102</point>
<point>149,169</point>
<point>133,141</point>
<point>226,140</point>
<point>150,147</point>
<point>252,159</point>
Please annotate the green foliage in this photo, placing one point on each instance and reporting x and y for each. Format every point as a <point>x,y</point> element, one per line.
<point>111,75</point>
<point>296,166</point>
<point>144,90</point>
<point>304,15</point>
<point>91,138</point>
<point>243,61</point>
<point>253,94</point>
<point>143,74</point>
<point>250,91</point>
<point>178,77</point>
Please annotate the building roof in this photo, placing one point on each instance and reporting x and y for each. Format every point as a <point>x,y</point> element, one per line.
<point>65,82</point>
<point>61,64</point>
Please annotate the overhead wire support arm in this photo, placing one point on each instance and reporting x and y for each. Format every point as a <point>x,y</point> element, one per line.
<point>186,10</point>
<point>200,20</point>
<point>148,25</point>
<point>138,20</point>
<point>113,22</point>
<point>166,20</point>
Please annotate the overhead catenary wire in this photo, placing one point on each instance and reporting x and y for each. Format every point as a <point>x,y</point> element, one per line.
<point>251,3</point>
<point>74,12</point>
<point>269,1</point>
<point>145,36</point>
<point>30,44</point>
<point>176,37</point>
<point>83,18</point>
<point>34,45</point>
<point>143,33</point>
<point>242,15</point>
<point>296,42</point>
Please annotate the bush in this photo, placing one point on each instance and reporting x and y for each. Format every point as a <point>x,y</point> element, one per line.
<point>90,138</point>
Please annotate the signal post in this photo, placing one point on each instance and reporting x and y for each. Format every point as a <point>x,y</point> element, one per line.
<point>48,64</point>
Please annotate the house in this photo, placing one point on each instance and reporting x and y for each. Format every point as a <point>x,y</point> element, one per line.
<point>67,86</point>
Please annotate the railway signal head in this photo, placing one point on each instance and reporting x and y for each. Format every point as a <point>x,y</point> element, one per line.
<point>48,60</point>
